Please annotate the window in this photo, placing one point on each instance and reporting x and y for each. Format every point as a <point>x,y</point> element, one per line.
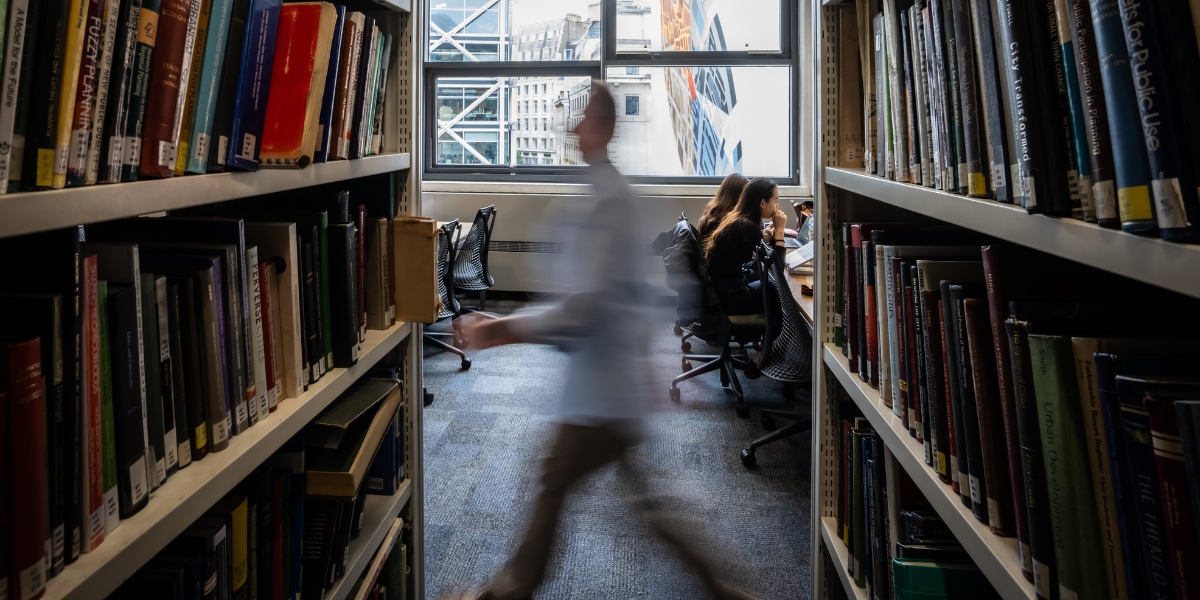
<point>718,77</point>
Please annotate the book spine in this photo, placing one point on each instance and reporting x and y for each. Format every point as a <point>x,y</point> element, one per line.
<point>911,89</point>
<point>1061,53</point>
<point>1072,515</point>
<point>970,462</point>
<point>916,411</point>
<point>1021,83</point>
<point>895,74</point>
<point>93,467</point>
<point>1172,185</point>
<point>108,39</point>
<point>363,90</point>
<point>334,74</point>
<point>852,304</point>
<point>1188,413</point>
<point>376,145</point>
<point>257,316</point>
<point>41,132</point>
<point>345,300</point>
<point>192,355</point>
<point>161,345</point>
<point>135,123</point>
<point>880,138</point>
<point>952,436</point>
<point>168,82</point>
<point>993,119</point>
<point>132,478</point>
<point>360,240</point>
<point>930,142</point>
<point>1076,125</point>
<point>254,82</point>
<point>26,413</point>
<point>953,77</point>
<point>183,436</point>
<point>926,431</point>
<point>195,73</point>
<point>73,57</point>
<point>1139,454</point>
<point>1097,443</point>
<point>1137,584</point>
<point>860,318</point>
<point>13,52</point>
<point>112,141</point>
<point>976,180</point>
<point>218,82</point>
<point>212,332</point>
<point>1172,481</point>
<point>870,358</point>
<point>267,302</point>
<point>935,378</point>
<point>893,334</point>
<point>112,511</point>
<point>347,68</point>
<point>85,94</point>
<point>155,451</point>
<point>995,452</point>
<point>1099,150</point>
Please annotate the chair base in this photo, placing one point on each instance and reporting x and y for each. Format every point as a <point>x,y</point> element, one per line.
<point>727,365</point>
<point>801,422</point>
<point>430,337</point>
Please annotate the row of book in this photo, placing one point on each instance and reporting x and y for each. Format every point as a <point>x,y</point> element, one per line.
<point>160,339</point>
<point>104,91</point>
<point>1044,393</point>
<point>925,561</point>
<point>272,537</point>
<point>1063,107</point>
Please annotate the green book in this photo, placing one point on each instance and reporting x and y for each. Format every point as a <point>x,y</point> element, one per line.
<point>108,432</point>
<point>928,580</point>
<point>1073,521</point>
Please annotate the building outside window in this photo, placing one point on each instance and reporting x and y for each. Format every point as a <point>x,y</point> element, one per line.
<point>698,81</point>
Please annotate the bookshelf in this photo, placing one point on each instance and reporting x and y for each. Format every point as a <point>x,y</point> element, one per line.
<point>851,194</point>
<point>31,212</point>
<point>192,491</point>
<point>378,515</point>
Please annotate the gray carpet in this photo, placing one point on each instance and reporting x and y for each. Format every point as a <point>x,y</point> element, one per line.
<point>484,437</point>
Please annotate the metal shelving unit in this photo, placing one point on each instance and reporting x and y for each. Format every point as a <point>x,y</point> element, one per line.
<point>378,515</point>
<point>841,558</point>
<point>31,212</point>
<point>192,491</point>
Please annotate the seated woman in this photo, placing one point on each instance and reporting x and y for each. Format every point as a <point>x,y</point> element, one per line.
<point>720,205</point>
<point>732,245</point>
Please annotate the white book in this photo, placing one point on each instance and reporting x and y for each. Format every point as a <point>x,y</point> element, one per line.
<point>277,241</point>
<point>189,45</point>
<point>15,42</point>
<point>108,40</point>
<point>261,390</point>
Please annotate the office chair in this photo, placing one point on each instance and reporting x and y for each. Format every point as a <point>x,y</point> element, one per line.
<point>450,308</point>
<point>471,263</point>
<point>701,315</point>
<point>786,353</point>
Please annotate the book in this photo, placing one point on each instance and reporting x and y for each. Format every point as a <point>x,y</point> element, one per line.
<point>1159,401</point>
<point>320,517</point>
<point>188,334</point>
<point>112,137</point>
<point>338,472</point>
<point>250,99</point>
<point>90,425</point>
<point>74,32</point>
<point>139,91</point>
<point>112,508</point>
<point>366,71</point>
<point>261,388</point>
<point>277,243</point>
<point>1001,517</point>
<point>1099,148</point>
<point>83,103</point>
<point>334,74</point>
<point>347,81</point>
<point>208,81</point>
<point>1076,125</point>
<point>112,23</point>
<point>233,510</point>
<point>376,141</point>
<point>290,130</point>
<point>45,90</point>
<point>227,89</point>
<point>155,415</point>
<point>1068,478</point>
<point>18,25</point>
<point>169,74</point>
<point>24,413</point>
<point>212,536</point>
<point>384,475</point>
<point>176,358</point>
<point>976,180</point>
<point>344,303</point>
<point>129,424</point>
<point>376,568</point>
<point>926,580</point>
<point>161,345</point>
<point>1188,414</point>
<point>268,311</point>
<point>190,95</point>
<point>992,117</point>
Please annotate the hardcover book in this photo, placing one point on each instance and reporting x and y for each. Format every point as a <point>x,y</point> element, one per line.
<point>333,75</point>
<point>168,87</point>
<point>339,472</point>
<point>254,80</point>
<point>139,91</point>
<point>208,81</point>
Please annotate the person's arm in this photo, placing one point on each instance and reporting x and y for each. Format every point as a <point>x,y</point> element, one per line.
<point>779,221</point>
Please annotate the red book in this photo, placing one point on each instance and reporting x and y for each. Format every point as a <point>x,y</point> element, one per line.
<point>850,293</point>
<point>361,240</point>
<point>274,383</point>
<point>21,378</point>
<point>347,84</point>
<point>167,89</point>
<point>1173,484</point>
<point>93,448</point>
<point>1001,502</point>
<point>301,62</point>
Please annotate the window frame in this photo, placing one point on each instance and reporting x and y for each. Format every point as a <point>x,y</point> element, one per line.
<point>790,55</point>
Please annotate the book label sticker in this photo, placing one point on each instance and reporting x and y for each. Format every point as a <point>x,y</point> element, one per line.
<point>1041,579</point>
<point>95,532</point>
<point>112,506</point>
<point>1029,191</point>
<point>201,150</point>
<point>1168,199</point>
<point>354,352</point>
<point>1065,593</point>
<point>1105,196</point>
<point>166,153</point>
<point>116,149</point>
<point>148,28</point>
<point>60,158</point>
<point>993,513</point>
<point>241,411</point>
<point>33,580</point>
<point>222,148</point>
<point>975,497</point>
<point>1085,196</point>
<point>137,480</point>
<point>58,541</point>
<point>200,435</point>
<point>133,151</point>
<point>45,167</point>
<point>160,467</point>
<point>185,453</point>
<point>170,446</point>
<point>1025,556</point>
<point>1073,186</point>
<point>221,430</point>
<point>248,144</point>
<point>1133,203</point>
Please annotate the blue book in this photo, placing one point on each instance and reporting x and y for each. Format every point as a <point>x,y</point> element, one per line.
<point>254,82</point>
<point>1086,210</point>
<point>1129,149</point>
<point>210,80</point>
<point>325,122</point>
<point>1188,412</point>
<point>383,476</point>
<point>1123,490</point>
<point>1172,183</point>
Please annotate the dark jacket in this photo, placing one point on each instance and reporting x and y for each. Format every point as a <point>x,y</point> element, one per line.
<point>687,272</point>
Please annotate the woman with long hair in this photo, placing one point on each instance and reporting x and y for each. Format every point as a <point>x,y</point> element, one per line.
<point>732,245</point>
<point>720,205</point>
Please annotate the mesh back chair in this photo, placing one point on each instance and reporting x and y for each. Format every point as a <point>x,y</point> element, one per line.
<point>450,308</point>
<point>786,354</point>
<point>471,263</point>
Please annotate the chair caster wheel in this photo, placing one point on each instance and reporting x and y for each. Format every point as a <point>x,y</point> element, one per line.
<point>674,393</point>
<point>678,330</point>
<point>768,423</point>
<point>686,346</point>
<point>466,364</point>
<point>748,460</point>
<point>788,392</point>
<point>428,398</point>
<point>752,371</point>
<point>742,410</point>
<point>687,365</point>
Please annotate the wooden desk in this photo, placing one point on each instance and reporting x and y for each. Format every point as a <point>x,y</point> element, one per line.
<point>804,302</point>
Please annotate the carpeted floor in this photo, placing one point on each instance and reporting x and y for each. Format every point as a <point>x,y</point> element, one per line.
<point>484,438</point>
